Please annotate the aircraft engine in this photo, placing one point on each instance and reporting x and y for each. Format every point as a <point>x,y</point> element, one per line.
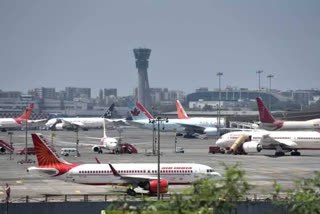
<point>96,148</point>
<point>59,126</point>
<point>2,150</point>
<point>211,131</point>
<point>251,147</point>
<point>152,186</point>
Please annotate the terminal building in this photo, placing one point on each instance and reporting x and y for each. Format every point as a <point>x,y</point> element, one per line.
<point>230,97</point>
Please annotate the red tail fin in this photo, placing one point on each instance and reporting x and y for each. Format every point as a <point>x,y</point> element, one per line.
<point>265,115</point>
<point>145,111</point>
<point>181,113</point>
<point>25,115</point>
<point>45,155</point>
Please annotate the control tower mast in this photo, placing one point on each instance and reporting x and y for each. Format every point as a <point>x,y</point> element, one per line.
<point>142,55</point>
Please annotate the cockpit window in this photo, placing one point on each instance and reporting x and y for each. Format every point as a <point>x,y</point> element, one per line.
<point>210,170</point>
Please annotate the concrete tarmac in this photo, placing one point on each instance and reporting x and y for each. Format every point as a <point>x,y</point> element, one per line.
<point>261,168</point>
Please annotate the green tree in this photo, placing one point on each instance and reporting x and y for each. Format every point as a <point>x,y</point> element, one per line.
<point>303,198</point>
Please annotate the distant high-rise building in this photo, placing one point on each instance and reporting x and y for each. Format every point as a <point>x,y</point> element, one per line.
<point>110,91</point>
<point>142,55</point>
<point>43,93</point>
<point>73,92</point>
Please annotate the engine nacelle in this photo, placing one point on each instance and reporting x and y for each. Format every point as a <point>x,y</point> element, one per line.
<point>152,186</point>
<point>251,147</point>
<point>96,148</point>
<point>211,131</point>
<point>2,150</point>
<point>59,126</point>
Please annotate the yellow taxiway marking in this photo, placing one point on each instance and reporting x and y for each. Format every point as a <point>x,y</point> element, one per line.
<point>1,193</point>
<point>77,191</point>
<point>19,182</point>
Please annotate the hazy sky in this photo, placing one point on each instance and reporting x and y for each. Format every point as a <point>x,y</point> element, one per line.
<point>88,43</point>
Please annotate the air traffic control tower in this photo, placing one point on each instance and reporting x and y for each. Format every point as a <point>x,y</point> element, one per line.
<point>142,55</point>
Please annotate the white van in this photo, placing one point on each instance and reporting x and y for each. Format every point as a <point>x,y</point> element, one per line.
<point>69,152</point>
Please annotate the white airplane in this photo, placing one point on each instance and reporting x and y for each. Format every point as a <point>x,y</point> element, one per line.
<point>256,140</point>
<point>83,122</point>
<point>141,118</point>
<point>17,121</point>
<point>108,143</point>
<point>142,175</point>
<point>269,123</point>
<point>202,125</point>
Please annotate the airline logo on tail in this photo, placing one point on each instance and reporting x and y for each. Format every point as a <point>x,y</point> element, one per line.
<point>25,115</point>
<point>135,111</point>
<point>181,113</point>
<point>47,158</point>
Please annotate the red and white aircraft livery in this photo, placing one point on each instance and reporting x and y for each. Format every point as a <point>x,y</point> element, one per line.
<point>17,121</point>
<point>142,175</point>
<point>269,123</point>
<point>256,140</point>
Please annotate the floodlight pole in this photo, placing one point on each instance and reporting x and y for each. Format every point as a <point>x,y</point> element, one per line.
<point>270,76</point>
<point>159,120</point>
<point>259,72</point>
<point>26,147</point>
<point>11,143</point>
<point>219,74</point>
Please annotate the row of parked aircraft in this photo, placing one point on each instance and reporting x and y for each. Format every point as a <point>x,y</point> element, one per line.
<point>267,136</point>
<point>144,175</point>
<point>278,135</point>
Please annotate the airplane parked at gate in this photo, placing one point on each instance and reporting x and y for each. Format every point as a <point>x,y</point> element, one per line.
<point>112,144</point>
<point>17,121</point>
<point>142,175</point>
<point>269,123</point>
<point>83,122</point>
<point>141,118</point>
<point>243,142</point>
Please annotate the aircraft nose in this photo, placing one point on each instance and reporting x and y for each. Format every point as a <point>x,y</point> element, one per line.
<point>219,141</point>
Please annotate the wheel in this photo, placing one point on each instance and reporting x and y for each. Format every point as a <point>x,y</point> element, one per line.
<point>295,153</point>
<point>131,192</point>
<point>279,154</point>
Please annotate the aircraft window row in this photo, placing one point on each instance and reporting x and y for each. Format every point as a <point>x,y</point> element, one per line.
<point>95,171</point>
<point>132,171</point>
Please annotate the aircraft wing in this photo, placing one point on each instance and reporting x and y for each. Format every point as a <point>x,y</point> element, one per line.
<point>117,122</point>
<point>192,128</point>
<point>77,124</point>
<point>132,178</point>
<point>269,141</point>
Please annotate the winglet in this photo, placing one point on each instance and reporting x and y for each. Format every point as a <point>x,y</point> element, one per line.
<point>115,173</point>
<point>181,113</point>
<point>265,115</point>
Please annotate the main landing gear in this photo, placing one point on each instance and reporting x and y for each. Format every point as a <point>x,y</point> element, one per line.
<point>131,192</point>
<point>295,153</point>
<point>279,153</point>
